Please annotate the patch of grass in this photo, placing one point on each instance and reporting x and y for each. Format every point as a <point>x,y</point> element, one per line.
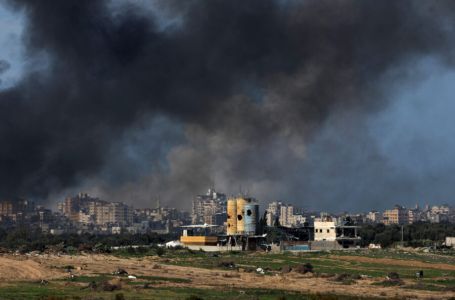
<point>60,291</point>
<point>168,279</point>
<point>87,279</point>
<point>425,287</point>
<point>322,262</point>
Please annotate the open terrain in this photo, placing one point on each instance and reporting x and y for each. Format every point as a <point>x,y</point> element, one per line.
<point>180,274</point>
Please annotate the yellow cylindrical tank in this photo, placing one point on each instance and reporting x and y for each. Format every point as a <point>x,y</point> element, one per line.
<point>241,215</point>
<point>231,216</point>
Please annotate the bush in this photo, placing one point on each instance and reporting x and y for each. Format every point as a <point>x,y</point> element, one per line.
<point>160,251</point>
<point>305,268</point>
<point>193,297</point>
<point>119,296</point>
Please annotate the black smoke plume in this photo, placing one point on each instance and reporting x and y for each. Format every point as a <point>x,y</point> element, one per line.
<point>249,83</point>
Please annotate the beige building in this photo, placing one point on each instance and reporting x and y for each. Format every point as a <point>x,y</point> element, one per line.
<point>373,217</point>
<point>325,230</point>
<point>332,234</point>
<point>398,215</point>
<point>87,210</point>
<point>287,215</point>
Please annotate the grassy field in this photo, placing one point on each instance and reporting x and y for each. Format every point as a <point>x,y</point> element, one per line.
<point>60,290</point>
<point>439,278</point>
<point>329,263</point>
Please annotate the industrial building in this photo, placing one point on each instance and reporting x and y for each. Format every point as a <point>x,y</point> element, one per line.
<point>242,218</point>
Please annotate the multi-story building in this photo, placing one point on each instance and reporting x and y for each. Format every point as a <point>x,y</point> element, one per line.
<point>398,215</point>
<point>85,209</point>
<point>14,206</point>
<point>205,207</point>
<point>273,213</point>
<point>16,209</point>
<point>373,217</point>
<point>287,215</point>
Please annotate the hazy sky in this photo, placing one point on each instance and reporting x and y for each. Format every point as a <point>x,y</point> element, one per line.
<point>330,106</point>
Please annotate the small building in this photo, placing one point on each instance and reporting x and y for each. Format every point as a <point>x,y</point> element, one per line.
<point>331,234</point>
<point>198,235</point>
<point>450,241</point>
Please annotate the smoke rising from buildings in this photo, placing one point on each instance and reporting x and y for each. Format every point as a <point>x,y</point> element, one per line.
<point>270,96</point>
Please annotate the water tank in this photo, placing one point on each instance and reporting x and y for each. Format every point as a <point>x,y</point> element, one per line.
<point>251,215</point>
<point>240,215</point>
<point>231,216</point>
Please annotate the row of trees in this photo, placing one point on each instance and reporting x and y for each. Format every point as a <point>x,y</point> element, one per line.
<point>29,239</point>
<point>414,235</point>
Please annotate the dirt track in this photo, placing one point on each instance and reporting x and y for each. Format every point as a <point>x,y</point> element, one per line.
<point>13,268</point>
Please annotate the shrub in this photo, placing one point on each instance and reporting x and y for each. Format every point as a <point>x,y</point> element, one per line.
<point>160,251</point>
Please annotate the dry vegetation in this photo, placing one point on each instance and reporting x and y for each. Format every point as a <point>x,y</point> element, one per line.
<point>180,274</point>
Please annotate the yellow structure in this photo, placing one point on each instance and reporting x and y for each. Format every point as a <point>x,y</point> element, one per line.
<point>199,240</point>
<point>241,214</point>
<point>231,216</point>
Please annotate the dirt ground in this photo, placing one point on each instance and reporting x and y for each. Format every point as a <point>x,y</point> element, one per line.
<point>48,267</point>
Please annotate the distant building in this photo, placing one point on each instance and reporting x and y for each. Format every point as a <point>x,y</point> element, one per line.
<point>450,241</point>
<point>330,233</point>
<point>84,209</point>
<point>287,215</point>
<point>273,212</point>
<point>14,207</point>
<point>397,215</point>
<point>373,217</point>
<point>206,207</point>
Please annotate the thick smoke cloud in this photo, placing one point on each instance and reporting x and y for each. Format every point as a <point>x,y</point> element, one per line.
<point>4,66</point>
<point>231,92</point>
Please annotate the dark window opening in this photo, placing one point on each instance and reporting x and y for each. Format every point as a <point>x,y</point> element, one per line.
<point>239,217</point>
<point>248,212</point>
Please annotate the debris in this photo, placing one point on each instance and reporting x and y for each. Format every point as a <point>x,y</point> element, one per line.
<point>344,278</point>
<point>44,282</point>
<point>260,270</point>
<point>227,264</point>
<point>286,269</point>
<point>120,271</point>
<point>305,268</point>
<point>393,278</point>
<point>132,277</point>
<point>146,285</point>
<point>109,287</point>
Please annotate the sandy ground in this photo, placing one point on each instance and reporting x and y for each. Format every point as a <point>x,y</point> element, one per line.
<point>16,268</point>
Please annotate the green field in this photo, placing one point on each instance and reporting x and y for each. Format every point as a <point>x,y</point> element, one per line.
<point>59,290</point>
